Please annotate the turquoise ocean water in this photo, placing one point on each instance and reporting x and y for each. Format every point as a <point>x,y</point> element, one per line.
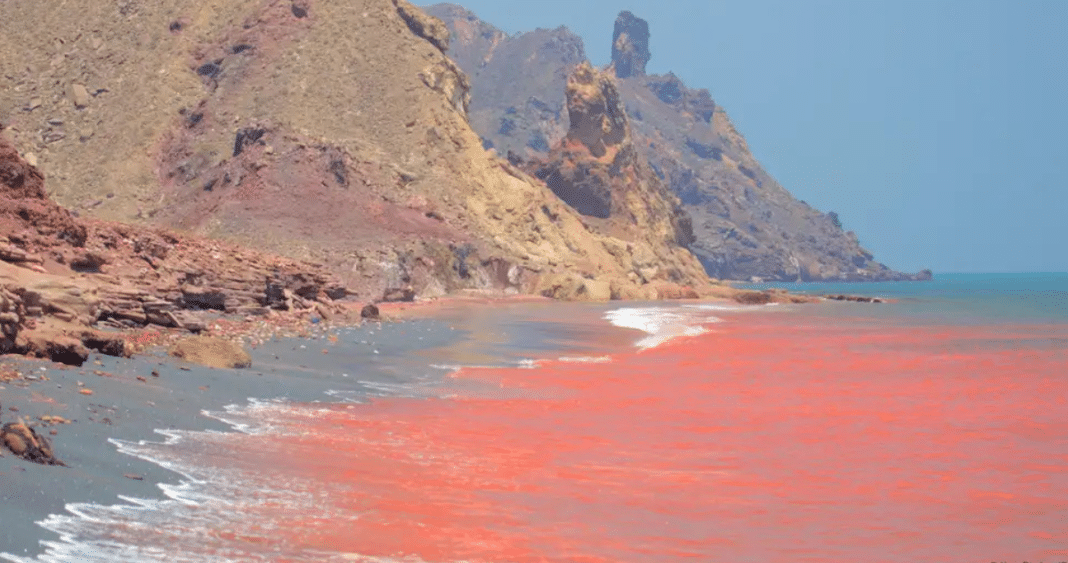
<point>960,298</point>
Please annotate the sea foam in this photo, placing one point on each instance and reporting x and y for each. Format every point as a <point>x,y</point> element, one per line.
<point>662,324</point>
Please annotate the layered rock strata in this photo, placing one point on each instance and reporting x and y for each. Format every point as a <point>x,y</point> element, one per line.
<point>64,281</point>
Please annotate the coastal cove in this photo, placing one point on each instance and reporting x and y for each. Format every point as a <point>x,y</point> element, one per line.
<point>552,431</point>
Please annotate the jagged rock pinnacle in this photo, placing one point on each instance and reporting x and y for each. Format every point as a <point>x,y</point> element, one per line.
<point>630,45</point>
<point>598,118</point>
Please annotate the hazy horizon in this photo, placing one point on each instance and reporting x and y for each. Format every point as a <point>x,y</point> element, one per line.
<point>932,128</point>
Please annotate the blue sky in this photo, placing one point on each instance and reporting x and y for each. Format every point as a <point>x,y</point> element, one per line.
<point>937,130</point>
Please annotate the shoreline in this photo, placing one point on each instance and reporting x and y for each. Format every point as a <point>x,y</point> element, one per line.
<point>293,359</point>
<point>132,398</point>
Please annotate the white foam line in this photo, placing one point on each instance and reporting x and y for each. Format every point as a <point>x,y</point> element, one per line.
<point>662,324</point>
<point>205,497</point>
<point>586,359</point>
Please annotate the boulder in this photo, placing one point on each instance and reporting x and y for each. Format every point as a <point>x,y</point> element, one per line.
<point>212,352</point>
<point>370,312</point>
<point>597,290</point>
<point>25,442</point>
<point>754,297</point>
<point>79,95</point>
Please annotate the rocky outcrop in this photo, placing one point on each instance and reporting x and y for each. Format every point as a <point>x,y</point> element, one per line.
<point>64,280</point>
<point>630,45</point>
<point>426,26</point>
<point>24,441</point>
<point>745,224</point>
<point>597,171</point>
<point>212,352</point>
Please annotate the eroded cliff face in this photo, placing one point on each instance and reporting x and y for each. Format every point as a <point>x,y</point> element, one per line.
<point>63,277</point>
<point>745,224</point>
<point>597,171</point>
<point>329,131</point>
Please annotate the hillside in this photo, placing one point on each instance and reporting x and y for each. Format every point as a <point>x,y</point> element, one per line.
<point>745,224</point>
<point>323,131</point>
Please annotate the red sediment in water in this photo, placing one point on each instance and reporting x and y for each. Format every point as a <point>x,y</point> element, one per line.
<point>761,441</point>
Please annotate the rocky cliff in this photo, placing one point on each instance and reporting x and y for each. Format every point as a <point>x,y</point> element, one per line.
<point>329,131</point>
<point>745,224</point>
<point>63,278</point>
<point>597,170</point>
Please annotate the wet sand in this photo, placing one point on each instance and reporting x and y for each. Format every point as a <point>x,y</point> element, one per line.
<point>122,407</point>
<point>353,363</point>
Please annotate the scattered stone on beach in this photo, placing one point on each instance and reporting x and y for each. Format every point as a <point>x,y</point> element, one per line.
<point>855,298</point>
<point>212,352</point>
<point>370,312</point>
<point>395,294</point>
<point>754,297</point>
<point>23,441</point>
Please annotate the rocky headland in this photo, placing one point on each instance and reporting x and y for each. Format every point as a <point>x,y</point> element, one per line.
<point>745,225</point>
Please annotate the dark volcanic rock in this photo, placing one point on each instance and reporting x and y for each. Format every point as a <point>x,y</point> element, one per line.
<point>745,225</point>
<point>370,312</point>
<point>630,45</point>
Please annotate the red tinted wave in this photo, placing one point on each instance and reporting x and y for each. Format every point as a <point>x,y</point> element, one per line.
<point>766,440</point>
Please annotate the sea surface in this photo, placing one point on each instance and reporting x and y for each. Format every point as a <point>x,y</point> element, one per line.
<point>931,428</point>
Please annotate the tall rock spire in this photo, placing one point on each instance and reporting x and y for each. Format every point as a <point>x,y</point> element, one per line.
<point>630,45</point>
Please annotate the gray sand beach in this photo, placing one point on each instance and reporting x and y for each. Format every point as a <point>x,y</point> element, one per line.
<point>355,364</point>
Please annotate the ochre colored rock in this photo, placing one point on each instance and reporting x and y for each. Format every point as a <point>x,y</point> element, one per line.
<point>211,352</point>
<point>597,290</point>
<point>424,25</point>
<point>598,171</point>
<point>25,442</point>
<point>79,95</point>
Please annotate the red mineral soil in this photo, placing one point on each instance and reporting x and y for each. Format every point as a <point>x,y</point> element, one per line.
<point>69,285</point>
<point>771,438</point>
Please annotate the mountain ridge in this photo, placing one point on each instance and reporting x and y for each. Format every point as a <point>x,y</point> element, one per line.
<point>746,225</point>
<point>335,133</point>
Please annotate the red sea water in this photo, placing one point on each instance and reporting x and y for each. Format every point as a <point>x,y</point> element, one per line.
<point>822,433</point>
